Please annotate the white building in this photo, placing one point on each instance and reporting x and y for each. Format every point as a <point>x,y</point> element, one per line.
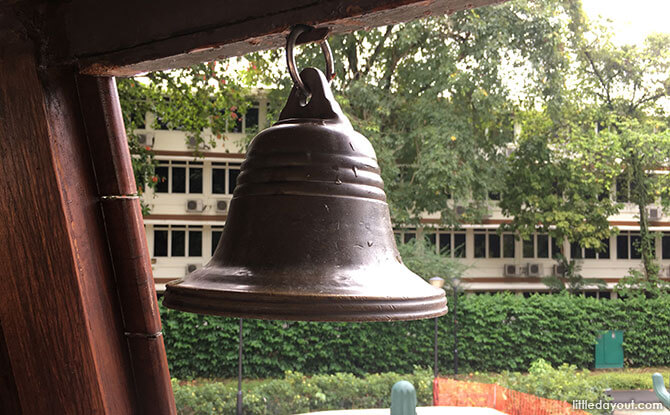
<point>189,208</point>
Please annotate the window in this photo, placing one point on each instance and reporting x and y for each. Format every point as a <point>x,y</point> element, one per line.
<point>665,246</point>
<point>162,173</point>
<point>627,244</point>
<point>404,235</point>
<point>509,246</point>
<point>494,245</point>
<point>578,252</point>
<point>251,119</point>
<point>556,247</point>
<point>216,237</point>
<point>408,236</point>
<point>488,244</point>
<point>224,177</point>
<point>539,245</point>
<point>179,176</point>
<point>529,247</point>
<point>161,242</point>
<point>452,244</point>
<point>236,122</point>
<point>431,238</point>
<point>480,244</point>
<point>178,241</point>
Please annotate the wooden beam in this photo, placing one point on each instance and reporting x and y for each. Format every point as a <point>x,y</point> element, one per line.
<point>59,310</point>
<point>170,35</point>
<point>127,243</point>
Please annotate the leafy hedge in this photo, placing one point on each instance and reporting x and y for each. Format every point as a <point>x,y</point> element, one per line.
<point>496,333</point>
<point>295,393</point>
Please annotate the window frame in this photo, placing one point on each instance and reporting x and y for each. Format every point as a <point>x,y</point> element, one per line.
<point>629,238</point>
<point>597,254</point>
<point>452,243</point>
<point>187,231</point>
<point>487,244</point>
<point>187,165</point>
<point>226,166</point>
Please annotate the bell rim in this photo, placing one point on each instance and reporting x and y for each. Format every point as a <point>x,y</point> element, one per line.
<point>305,307</point>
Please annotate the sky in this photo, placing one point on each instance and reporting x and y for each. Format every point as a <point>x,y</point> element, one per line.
<point>632,21</point>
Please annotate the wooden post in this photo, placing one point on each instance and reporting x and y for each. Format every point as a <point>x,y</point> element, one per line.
<point>127,242</point>
<point>60,312</point>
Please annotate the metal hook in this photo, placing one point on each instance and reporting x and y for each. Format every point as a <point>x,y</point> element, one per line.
<point>290,59</point>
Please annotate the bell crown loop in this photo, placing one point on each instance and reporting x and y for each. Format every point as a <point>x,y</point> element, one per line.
<point>321,106</point>
<point>305,92</point>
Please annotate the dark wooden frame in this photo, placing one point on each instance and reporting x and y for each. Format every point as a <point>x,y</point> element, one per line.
<point>79,325</point>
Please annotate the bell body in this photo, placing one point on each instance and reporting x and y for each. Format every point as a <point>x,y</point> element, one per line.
<point>308,235</point>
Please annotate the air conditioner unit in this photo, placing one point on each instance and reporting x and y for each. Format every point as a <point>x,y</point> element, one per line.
<point>511,270</point>
<point>192,267</point>
<point>145,139</point>
<point>654,213</point>
<point>194,205</point>
<point>192,143</point>
<point>534,270</point>
<point>222,206</point>
<point>559,270</point>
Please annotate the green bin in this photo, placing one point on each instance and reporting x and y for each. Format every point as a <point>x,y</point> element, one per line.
<point>609,350</point>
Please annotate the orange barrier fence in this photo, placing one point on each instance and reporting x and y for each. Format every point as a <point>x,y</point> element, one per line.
<point>450,392</point>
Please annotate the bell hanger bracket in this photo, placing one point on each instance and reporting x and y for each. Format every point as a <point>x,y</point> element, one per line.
<point>305,34</point>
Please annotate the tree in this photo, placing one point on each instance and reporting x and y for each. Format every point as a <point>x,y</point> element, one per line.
<point>558,184</point>
<point>642,151</point>
<point>628,85</point>
<point>433,97</point>
<point>422,259</point>
<point>610,124</point>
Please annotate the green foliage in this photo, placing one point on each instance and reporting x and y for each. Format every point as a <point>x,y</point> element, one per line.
<point>627,380</point>
<point>555,183</point>
<point>636,284</point>
<point>496,333</point>
<point>571,280</point>
<point>422,259</point>
<point>296,393</point>
<point>610,122</point>
<point>564,383</point>
<point>204,101</point>
<point>640,147</point>
<point>615,379</point>
<point>433,97</point>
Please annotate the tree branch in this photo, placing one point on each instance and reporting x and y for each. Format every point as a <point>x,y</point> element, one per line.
<point>600,78</point>
<point>375,54</point>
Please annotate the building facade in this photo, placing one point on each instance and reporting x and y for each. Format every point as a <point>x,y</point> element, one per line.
<point>189,209</point>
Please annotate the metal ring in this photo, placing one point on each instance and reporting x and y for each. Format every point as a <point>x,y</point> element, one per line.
<point>290,59</point>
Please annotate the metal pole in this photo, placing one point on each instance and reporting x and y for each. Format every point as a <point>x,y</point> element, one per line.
<point>455,331</point>
<point>435,366</point>
<point>239,373</point>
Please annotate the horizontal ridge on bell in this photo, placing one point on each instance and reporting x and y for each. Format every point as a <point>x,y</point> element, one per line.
<point>308,235</point>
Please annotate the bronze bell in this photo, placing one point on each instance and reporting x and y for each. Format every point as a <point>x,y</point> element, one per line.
<point>308,236</point>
